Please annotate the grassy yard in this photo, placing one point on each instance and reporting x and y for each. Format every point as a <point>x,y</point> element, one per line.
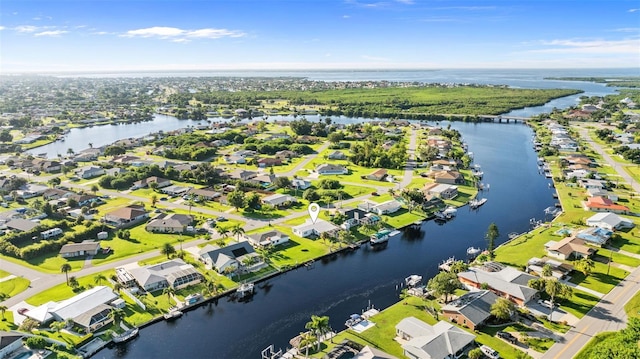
<point>13,286</point>
<point>579,304</point>
<point>632,308</point>
<point>50,263</point>
<point>63,291</point>
<point>402,218</point>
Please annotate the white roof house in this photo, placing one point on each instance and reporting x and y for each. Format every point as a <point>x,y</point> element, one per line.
<point>174,273</point>
<point>278,199</point>
<point>309,228</point>
<point>610,221</point>
<point>440,341</point>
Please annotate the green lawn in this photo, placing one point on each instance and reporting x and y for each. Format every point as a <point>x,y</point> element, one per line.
<point>632,308</point>
<point>50,263</point>
<point>13,286</point>
<point>402,218</point>
<point>63,291</point>
<point>579,304</point>
<point>598,280</point>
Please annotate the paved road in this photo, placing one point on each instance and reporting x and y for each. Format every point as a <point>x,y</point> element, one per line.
<point>411,159</point>
<point>608,314</point>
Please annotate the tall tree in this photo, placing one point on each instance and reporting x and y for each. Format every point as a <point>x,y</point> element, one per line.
<point>584,265</point>
<point>320,326</point>
<point>168,250</point>
<point>236,199</point>
<point>307,339</point>
<point>503,309</point>
<point>237,230</point>
<point>491,235</point>
<point>117,315</point>
<point>3,309</point>
<point>66,268</point>
<point>222,231</point>
<point>169,291</point>
<point>553,288</point>
<point>444,283</point>
<point>99,278</point>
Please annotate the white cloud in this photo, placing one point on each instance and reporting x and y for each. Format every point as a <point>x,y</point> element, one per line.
<point>406,2</point>
<point>374,58</point>
<point>2,28</point>
<point>26,28</point>
<point>181,35</point>
<point>633,10</point>
<point>51,33</point>
<point>625,46</point>
<point>346,16</point>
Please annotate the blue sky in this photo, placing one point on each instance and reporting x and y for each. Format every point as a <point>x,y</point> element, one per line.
<point>68,35</point>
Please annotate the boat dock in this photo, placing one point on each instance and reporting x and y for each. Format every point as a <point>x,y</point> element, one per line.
<point>446,265</point>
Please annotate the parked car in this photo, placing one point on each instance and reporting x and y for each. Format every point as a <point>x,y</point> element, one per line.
<point>489,352</point>
<point>221,219</point>
<point>164,198</point>
<point>545,303</point>
<point>507,336</point>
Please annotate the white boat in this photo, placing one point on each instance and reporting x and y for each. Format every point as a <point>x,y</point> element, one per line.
<point>450,212</point>
<point>380,236</point>
<point>413,280</point>
<point>475,203</point>
<point>245,289</point>
<point>174,314</point>
<point>353,320</point>
<point>513,235</point>
<point>472,251</point>
<point>121,338</point>
<point>440,215</point>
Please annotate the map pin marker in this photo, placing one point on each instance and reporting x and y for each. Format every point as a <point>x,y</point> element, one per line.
<point>314,211</point>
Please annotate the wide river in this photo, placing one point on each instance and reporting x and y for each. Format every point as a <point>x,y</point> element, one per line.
<point>350,282</point>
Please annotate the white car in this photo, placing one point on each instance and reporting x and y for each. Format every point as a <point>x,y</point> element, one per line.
<point>545,303</point>
<point>489,352</point>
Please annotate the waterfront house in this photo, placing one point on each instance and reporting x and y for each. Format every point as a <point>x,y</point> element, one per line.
<point>356,217</point>
<point>232,256</point>
<point>377,175</point>
<point>448,177</point>
<point>278,200</point>
<point>87,247</point>
<point>504,281</point>
<point>331,169</point>
<point>173,273</point>
<point>569,247</point>
<point>595,236</point>
<point>372,353</point>
<point>170,223</point>
<point>387,207</point>
<point>89,309</point>
<point>440,190</point>
<point>603,204</point>
<point>309,229</point>
<point>470,310</point>
<point>126,216</point>
<point>440,341</point>
<point>610,221</point>
<point>592,183</point>
<point>337,155</point>
<point>89,172</point>
<point>265,239</point>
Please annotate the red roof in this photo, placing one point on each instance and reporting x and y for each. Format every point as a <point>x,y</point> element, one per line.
<point>605,203</point>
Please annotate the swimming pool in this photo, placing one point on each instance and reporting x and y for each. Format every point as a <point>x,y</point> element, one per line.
<point>24,355</point>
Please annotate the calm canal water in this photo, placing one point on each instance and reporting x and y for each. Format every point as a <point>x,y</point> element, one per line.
<point>349,282</point>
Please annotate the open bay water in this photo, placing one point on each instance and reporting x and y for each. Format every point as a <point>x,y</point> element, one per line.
<point>350,282</point>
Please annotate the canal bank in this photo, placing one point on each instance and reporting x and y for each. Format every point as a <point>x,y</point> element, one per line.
<point>341,284</point>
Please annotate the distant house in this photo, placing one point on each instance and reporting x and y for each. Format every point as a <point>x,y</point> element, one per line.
<point>175,190</point>
<point>174,273</point>
<point>470,310</point>
<point>89,171</point>
<point>205,193</point>
<point>144,183</point>
<point>377,175</point>
<point>54,193</point>
<point>331,169</point>
<point>610,221</point>
<point>243,175</point>
<point>116,171</point>
<point>233,257</point>
<point>85,248</point>
<point>278,199</point>
<point>356,217</point>
<point>270,238</point>
<point>603,204</point>
<point>82,199</point>
<point>269,162</point>
<point>506,282</point>
<point>31,190</point>
<point>170,223</point>
<point>595,236</point>
<point>300,183</point>
<point>265,180</point>
<point>559,270</point>
<point>448,177</point>
<point>441,190</point>
<point>337,155</point>
<point>309,229</point>
<point>569,247</point>
<point>388,207</point>
<point>126,216</point>
<point>440,341</point>
<point>21,225</point>
<point>286,154</point>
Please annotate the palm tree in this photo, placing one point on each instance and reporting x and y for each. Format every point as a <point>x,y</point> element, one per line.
<point>169,291</point>
<point>94,189</point>
<point>547,271</point>
<point>223,232</point>
<point>307,339</point>
<point>117,315</point>
<point>190,203</point>
<point>553,288</point>
<point>3,308</point>
<point>237,230</point>
<point>66,268</point>
<point>320,326</point>
<point>99,278</point>
<point>459,266</point>
<point>154,200</point>
<point>584,265</point>
<point>117,287</point>
<point>168,250</point>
